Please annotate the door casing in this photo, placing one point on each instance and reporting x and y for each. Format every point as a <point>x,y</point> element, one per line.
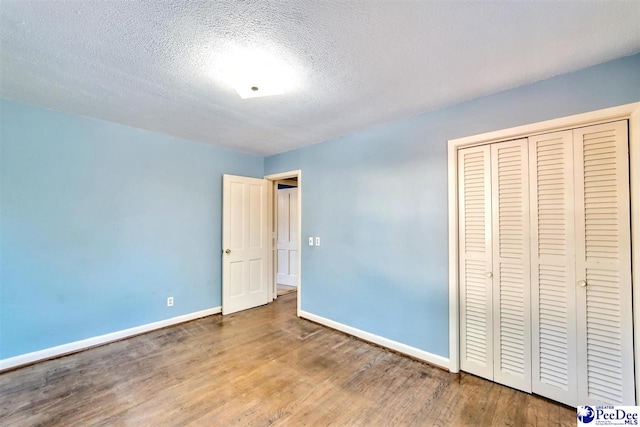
<point>271,197</point>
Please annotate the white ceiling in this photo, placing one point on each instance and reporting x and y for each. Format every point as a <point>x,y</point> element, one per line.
<point>360,63</point>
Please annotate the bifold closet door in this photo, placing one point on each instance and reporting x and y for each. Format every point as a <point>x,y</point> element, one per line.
<point>511,264</point>
<point>553,267</point>
<point>582,325</point>
<point>494,263</point>
<point>603,265</point>
<point>475,261</point>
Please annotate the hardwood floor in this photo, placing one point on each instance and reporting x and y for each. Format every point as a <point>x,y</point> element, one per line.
<point>284,289</point>
<point>260,367</point>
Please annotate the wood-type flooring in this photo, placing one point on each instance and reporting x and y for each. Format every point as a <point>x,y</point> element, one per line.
<point>260,367</point>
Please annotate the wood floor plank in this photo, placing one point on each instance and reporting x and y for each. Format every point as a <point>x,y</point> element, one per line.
<point>261,367</point>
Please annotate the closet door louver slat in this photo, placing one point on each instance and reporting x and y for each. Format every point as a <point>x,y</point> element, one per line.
<point>552,267</point>
<point>511,304</point>
<point>603,261</point>
<point>476,342</point>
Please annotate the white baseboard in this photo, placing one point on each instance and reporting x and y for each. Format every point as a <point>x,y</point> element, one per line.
<point>76,346</point>
<point>434,359</point>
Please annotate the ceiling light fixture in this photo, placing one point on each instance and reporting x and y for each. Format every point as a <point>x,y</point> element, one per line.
<point>254,73</point>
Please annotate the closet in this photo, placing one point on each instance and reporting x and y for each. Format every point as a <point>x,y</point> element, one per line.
<point>545,264</point>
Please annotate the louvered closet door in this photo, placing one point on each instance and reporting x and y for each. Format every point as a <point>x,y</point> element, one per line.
<point>603,265</point>
<point>476,327</point>
<point>511,275</point>
<point>552,267</point>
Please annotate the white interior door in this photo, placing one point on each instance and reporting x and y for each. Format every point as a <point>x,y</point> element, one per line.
<point>287,237</point>
<point>476,282</point>
<point>603,265</point>
<point>553,291</point>
<point>245,243</point>
<point>511,264</point>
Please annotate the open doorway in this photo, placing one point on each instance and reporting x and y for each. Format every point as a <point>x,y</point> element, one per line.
<point>286,236</point>
<point>285,220</point>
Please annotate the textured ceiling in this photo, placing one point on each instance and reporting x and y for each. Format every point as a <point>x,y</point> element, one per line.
<point>152,65</point>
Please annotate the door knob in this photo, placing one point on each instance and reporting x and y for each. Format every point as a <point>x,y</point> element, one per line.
<point>489,274</point>
<point>582,283</point>
<point>227,251</point>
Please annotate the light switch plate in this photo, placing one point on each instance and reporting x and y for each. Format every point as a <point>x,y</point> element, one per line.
<point>310,241</point>
<point>317,241</point>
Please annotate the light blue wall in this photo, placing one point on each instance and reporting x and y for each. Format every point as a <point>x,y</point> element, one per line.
<point>378,200</point>
<point>99,223</point>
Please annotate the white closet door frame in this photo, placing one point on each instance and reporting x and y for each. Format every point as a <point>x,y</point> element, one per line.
<point>629,112</point>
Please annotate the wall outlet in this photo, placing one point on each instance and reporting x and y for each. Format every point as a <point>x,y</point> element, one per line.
<point>317,241</point>
<point>170,302</point>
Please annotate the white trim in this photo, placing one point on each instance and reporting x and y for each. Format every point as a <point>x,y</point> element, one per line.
<point>634,189</point>
<point>271,218</point>
<point>622,112</point>
<point>76,346</point>
<point>425,356</point>
<point>629,112</point>
<point>454,299</point>
<point>288,175</point>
